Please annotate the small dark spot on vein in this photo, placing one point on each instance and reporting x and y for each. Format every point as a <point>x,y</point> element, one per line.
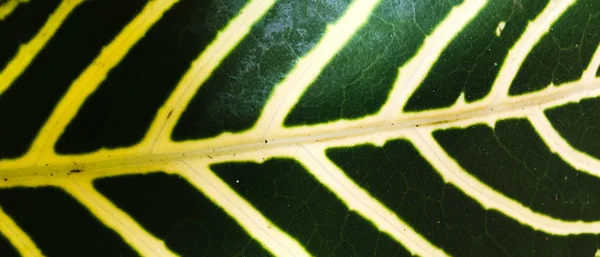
<point>169,115</point>
<point>266,141</point>
<point>209,157</point>
<point>5,179</point>
<point>439,122</point>
<point>76,171</point>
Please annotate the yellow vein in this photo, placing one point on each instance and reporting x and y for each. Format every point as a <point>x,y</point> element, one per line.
<point>8,7</point>
<point>28,51</point>
<point>203,67</point>
<point>414,72</point>
<point>517,54</point>
<point>138,238</point>
<point>17,237</point>
<point>487,196</point>
<point>358,200</point>
<point>557,144</point>
<point>308,68</point>
<point>89,80</point>
<point>260,228</point>
<point>590,72</point>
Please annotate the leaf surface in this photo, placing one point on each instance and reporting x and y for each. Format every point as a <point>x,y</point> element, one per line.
<point>289,128</point>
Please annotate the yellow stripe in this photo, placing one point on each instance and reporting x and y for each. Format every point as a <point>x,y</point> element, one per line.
<point>271,237</point>
<point>132,233</point>
<point>17,237</point>
<point>203,66</point>
<point>28,51</point>
<point>8,7</point>
<point>536,29</point>
<point>590,72</point>
<point>89,80</point>
<point>307,69</point>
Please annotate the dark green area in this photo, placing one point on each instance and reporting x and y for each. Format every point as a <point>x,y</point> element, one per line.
<point>579,124</point>
<point>171,209</point>
<point>59,225</point>
<point>22,25</point>
<point>598,72</point>
<point>235,94</point>
<point>473,59</point>
<point>283,191</point>
<point>358,79</point>
<point>513,160</point>
<point>150,71</point>
<point>564,52</point>
<point>28,103</point>
<point>6,248</point>
<point>401,179</point>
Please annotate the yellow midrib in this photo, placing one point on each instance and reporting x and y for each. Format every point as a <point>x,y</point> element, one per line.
<point>445,118</point>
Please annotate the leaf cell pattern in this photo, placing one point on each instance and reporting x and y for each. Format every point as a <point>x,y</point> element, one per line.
<point>295,128</point>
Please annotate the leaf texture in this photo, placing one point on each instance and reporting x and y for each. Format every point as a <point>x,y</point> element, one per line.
<point>299,128</point>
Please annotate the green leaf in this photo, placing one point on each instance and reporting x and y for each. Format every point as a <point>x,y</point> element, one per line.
<point>299,128</point>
